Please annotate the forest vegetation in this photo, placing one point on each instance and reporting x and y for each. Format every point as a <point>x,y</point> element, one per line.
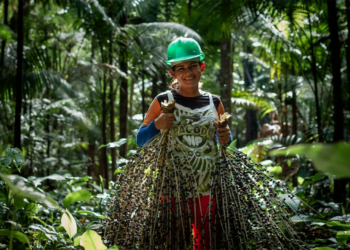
<point>77,78</point>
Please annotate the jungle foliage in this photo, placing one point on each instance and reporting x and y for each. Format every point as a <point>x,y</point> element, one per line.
<point>77,77</point>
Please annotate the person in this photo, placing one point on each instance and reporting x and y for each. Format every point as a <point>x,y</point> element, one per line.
<point>178,191</point>
<point>195,109</point>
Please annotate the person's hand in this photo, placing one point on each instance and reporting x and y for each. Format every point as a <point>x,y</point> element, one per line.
<point>224,134</point>
<point>164,121</point>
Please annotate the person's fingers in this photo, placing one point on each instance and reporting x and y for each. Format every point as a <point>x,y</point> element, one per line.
<point>223,129</point>
<point>224,134</point>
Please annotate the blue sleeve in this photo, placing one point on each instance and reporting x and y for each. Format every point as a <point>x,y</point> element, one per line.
<point>146,133</point>
<point>228,144</point>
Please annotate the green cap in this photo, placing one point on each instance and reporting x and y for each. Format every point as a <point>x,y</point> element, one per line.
<point>183,49</point>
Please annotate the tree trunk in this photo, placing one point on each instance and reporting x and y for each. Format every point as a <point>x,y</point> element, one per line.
<point>91,159</point>
<point>3,44</point>
<point>111,110</point>
<point>154,86</point>
<point>338,116</point>
<point>19,84</point>
<point>252,125</point>
<point>314,73</point>
<point>226,74</point>
<point>143,96</point>
<point>164,84</point>
<point>347,2</point>
<point>104,162</point>
<point>339,185</point>
<point>123,103</point>
<point>131,98</point>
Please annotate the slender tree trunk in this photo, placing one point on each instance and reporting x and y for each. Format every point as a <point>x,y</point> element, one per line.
<point>226,74</point>
<point>131,98</point>
<point>91,159</point>
<point>339,185</point>
<point>294,113</point>
<point>164,84</point>
<point>347,2</point>
<point>19,85</point>
<point>336,81</point>
<point>111,110</point>
<point>3,43</point>
<point>293,86</point>
<point>154,86</point>
<point>252,125</point>
<point>189,8</point>
<point>143,96</point>
<point>104,167</point>
<point>123,103</point>
<point>314,73</point>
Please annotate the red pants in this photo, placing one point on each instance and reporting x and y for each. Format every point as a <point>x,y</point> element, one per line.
<point>201,210</point>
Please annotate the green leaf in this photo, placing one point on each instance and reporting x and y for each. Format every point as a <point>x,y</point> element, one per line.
<point>20,190</point>
<point>77,241</point>
<point>342,237</point>
<point>51,235</point>
<point>5,161</point>
<point>101,184</point>
<point>81,195</point>
<point>17,235</point>
<point>329,158</point>
<point>337,224</point>
<point>291,202</point>
<point>18,160</point>
<point>5,32</point>
<point>323,248</point>
<point>53,177</point>
<point>116,144</point>
<point>313,179</point>
<point>93,213</point>
<point>92,241</point>
<point>300,218</point>
<point>69,223</point>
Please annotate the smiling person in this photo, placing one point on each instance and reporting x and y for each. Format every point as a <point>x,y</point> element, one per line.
<point>178,191</point>
<point>186,59</point>
<point>193,127</point>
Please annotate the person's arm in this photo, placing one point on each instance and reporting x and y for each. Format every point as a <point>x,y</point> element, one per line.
<point>223,132</point>
<point>145,133</point>
<point>147,129</point>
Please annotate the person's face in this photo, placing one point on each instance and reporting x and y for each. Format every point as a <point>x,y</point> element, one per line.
<point>187,73</point>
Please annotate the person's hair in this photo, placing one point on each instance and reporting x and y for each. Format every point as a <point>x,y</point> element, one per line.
<point>175,84</point>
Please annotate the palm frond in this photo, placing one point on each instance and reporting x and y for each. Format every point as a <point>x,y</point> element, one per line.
<point>258,100</point>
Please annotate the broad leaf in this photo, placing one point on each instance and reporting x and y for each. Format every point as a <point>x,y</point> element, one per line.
<point>20,190</point>
<point>116,144</point>
<point>337,224</point>
<point>342,237</point>
<point>291,202</point>
<point>100,216</point>
<point>51,235</point>
<point>329,158</point>
<point>300,218</point>
<point>81,195</point>
<point>69,223</point>
<point>17,235</point>
<point>77,241</point>
<point>92,241</point>
<point>15,155</point>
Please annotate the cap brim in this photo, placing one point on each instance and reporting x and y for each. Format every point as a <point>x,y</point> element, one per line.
<point>184,59</point>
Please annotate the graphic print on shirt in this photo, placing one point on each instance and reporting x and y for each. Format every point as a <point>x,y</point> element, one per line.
<point>194,134</point>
